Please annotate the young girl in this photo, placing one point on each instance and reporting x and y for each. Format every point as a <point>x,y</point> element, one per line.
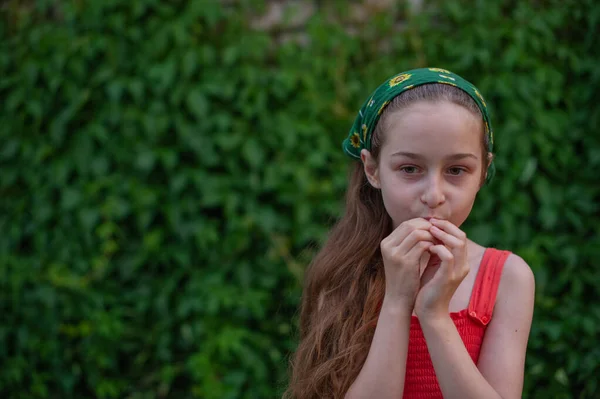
<point>399,303</point>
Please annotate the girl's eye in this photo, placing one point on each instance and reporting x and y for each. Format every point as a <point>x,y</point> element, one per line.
<point>455,171</point>
<point>409,169</point>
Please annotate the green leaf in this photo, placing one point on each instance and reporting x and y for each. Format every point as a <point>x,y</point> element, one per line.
<point>197,104</point>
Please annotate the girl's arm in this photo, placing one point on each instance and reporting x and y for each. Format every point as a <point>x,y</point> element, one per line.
<point>499,372</point>
<point>382,375</point>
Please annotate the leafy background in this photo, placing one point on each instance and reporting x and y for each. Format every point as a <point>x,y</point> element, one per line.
<point>167,170</point>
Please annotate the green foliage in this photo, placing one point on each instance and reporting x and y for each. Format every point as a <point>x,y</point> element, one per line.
<point>167,171</point>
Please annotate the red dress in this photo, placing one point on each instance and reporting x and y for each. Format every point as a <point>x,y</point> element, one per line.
<point>421,382</point>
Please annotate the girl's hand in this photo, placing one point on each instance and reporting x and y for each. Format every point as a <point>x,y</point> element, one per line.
<point>404,251</point>
<point>440,281</point>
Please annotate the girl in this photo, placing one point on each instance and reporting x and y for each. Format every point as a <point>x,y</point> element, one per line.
<point>399,302</point>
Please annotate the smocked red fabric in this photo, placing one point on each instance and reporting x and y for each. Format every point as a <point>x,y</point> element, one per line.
<point>421,382</point>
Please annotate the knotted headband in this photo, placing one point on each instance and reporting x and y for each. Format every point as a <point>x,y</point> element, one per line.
<point>368,115</point>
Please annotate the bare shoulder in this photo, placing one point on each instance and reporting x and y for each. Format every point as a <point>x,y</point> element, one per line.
<point>516,294</point>
<point>517,278</point>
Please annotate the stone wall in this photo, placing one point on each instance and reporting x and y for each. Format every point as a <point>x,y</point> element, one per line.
<point>286,19</point>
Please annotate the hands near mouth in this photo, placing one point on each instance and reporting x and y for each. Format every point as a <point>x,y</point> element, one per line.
<point>425,261</point>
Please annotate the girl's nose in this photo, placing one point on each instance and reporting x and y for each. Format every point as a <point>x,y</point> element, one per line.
<point>433,194</point>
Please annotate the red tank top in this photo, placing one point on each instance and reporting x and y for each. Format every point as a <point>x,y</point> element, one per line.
<point>421,382</point>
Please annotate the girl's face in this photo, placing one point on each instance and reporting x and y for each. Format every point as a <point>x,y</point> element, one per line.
<point>430,163</point>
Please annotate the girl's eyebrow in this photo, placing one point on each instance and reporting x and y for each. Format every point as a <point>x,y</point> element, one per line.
<point>453,157</point>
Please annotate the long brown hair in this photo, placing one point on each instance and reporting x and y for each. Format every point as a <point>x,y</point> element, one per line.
<point>345,283</point>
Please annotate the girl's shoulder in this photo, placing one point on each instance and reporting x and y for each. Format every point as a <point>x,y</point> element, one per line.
<point>511,284</point>
<point>514,269</point>
<point>517,277</point>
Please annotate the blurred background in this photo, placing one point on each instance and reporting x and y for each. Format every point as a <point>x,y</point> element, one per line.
<point>168,168</point>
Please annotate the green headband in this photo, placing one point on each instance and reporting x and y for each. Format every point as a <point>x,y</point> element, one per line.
<point>368,115</point>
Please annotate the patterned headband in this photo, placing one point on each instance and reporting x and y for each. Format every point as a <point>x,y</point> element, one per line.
<point>368,115</point>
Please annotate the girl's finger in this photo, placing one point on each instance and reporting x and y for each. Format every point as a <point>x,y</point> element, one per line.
<point>441,269</point>
<point>449,228</point>
<point>417,249</point>
<point>447,239</point>
<point>423,261</point>
<point>403,230</point>
<point>444,253</point>
<point>414,238</point>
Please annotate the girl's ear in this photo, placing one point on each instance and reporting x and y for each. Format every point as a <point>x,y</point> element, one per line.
<point>371,168</point>
<point>490,158</point>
